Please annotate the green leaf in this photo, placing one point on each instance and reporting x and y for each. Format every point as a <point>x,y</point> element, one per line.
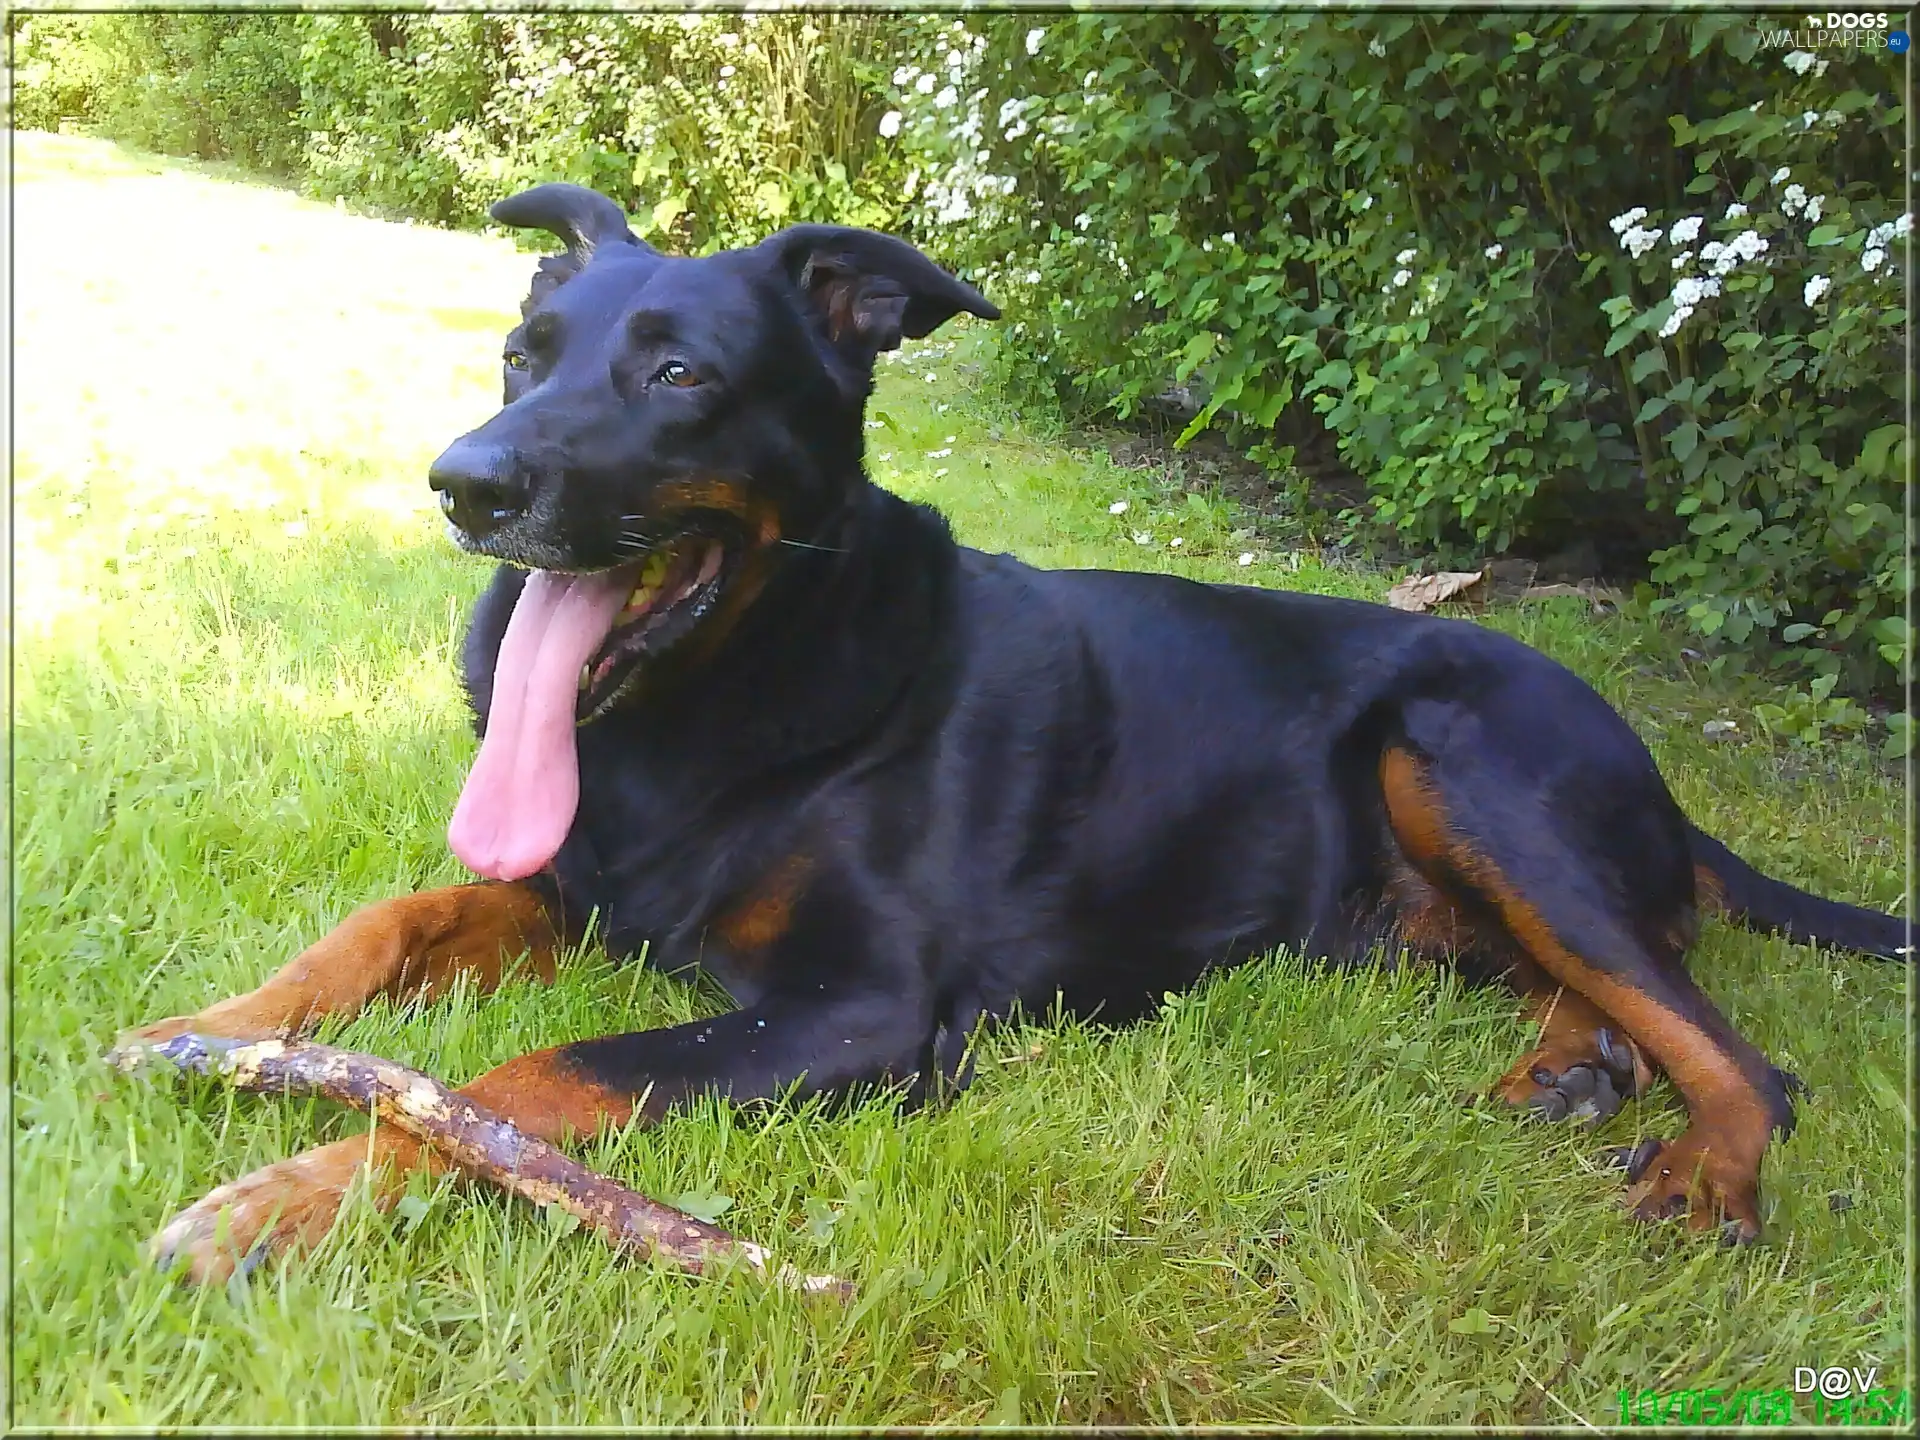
<point>667,210</point>
<point>1475,1322</point>
<point>1873,453</point>
<point>1825,235</point>
<point>771,199</point>
<point>1653,407</point>
<point>707,1205</point>
<point>1795,633</point>
<point>1006,1410</point>
<point>1334,375</point>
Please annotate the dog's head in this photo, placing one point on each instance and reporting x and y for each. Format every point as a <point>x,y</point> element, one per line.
<point>668,418</point>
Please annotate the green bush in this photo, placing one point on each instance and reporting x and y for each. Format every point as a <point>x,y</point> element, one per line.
<point>222,87</point>
<point>1403,222</point>
<point>710,129</point>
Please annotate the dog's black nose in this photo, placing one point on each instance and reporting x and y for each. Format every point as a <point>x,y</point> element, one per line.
<point>480,486</point>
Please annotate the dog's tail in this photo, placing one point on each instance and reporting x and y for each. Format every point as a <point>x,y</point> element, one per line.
<point>1725,882</point>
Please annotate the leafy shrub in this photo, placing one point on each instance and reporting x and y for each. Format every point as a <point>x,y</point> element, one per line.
<point>1402,222</point>
<point>711,129</point>
<point>223,87</point>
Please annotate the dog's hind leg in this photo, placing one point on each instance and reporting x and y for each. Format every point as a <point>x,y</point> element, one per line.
<point>410,947</point>
<point>1596,911</point>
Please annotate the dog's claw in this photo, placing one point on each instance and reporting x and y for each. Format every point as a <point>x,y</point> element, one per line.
<point>1634,1159</point>
<point>1580,1092</point>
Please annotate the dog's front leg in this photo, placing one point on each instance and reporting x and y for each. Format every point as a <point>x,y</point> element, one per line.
<point>812,1042</point>
<point>412,946</point>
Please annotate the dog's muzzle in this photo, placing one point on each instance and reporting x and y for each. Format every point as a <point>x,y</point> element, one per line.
<point>481,486</point>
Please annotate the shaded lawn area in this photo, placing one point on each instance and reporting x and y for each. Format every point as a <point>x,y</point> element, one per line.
<point>236,718</point>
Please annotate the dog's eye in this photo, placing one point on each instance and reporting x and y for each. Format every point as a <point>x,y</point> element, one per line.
<point>516,360</point>
<point>676,373</point>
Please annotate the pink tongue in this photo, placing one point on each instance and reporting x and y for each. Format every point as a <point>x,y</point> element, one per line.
<point>525,785</point>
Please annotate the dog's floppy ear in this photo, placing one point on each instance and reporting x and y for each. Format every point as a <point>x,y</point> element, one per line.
<point>869,289</point>
<point>583,219</point>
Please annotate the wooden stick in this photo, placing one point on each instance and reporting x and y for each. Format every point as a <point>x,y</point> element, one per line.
<point>472,1138</point>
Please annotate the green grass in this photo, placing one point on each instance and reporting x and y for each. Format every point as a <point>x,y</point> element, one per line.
<point>236,718</point>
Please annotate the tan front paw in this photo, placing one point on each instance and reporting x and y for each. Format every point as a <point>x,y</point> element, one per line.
<point>229,1020</point>
<point>239,1225</point>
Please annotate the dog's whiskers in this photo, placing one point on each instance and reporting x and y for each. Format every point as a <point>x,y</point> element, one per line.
<point>825,549</point>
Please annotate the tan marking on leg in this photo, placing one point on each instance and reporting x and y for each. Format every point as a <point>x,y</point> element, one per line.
<point>416,945</point>
<point>762,916</point>
<point>1570,1026</point>
<point>1710,893</point>
<point>1730,1121</point>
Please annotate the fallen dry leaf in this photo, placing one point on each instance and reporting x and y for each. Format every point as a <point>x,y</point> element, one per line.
<point>1592,591</point>
<point>1423,592</point>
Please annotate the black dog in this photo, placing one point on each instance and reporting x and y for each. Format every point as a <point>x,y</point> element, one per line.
<point>768,719</point>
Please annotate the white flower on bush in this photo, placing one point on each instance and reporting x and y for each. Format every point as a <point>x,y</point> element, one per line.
<point>1639,240</point>
<point>1401,277</point>
<point>1880,235</point>
<point>1781,174</point>
<point>1377,47</point>
<point>945,98</point>
<point>1680,260</point>
<point>1366,202</point>
<point>1034,37</point>
<point>1795,197</point>
<point>1692,289</point>
<point>1118,507</point>
<point>1685,230</point>
<point>925,84</point>
<point>890,124</point>
<point>904,75</point>
<point>1619,223</point>
<point>1872,260</point>
<point>1800,61</point>
<point>1815,205</point>
<point>1142,537</point>
<point>1687,295</point>
<point>1807,117</point>
<point>1494,252</point>
<point>1405,257</point>
<point>1246,557</point>
<point>1747,245</point>
<point>1736,211</point>
<point>1816,287</point>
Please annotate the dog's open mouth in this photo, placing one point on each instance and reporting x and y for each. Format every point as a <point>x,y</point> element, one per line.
<point>573,647</point>
<point>672,591</point>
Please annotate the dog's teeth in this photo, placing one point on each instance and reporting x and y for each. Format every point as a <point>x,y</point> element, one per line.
<point>586,676</point>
